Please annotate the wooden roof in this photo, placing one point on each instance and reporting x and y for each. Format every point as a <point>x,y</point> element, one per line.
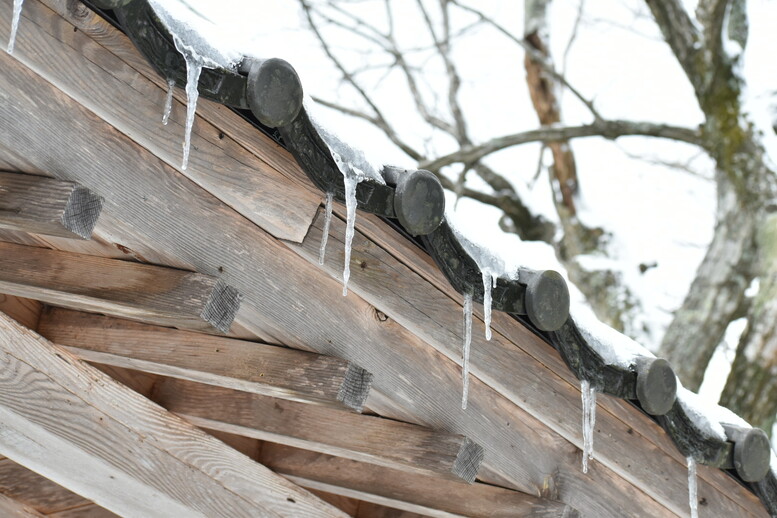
<point>81,105</point>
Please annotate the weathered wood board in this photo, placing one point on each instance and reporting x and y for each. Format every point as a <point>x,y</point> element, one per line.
<point>165,296</point>
<point>46,206</point>
<point>370,439</point>
<point>269,319</point>
<point>75,426</point>
<point>247,366</point>
<point>415,493</point>
<point>129,101</point>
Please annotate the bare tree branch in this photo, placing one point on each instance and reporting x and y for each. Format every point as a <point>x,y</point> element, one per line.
<point>384,125</point>
<point>607,129</point>
<point>534,54</point>
<point>680,33</point>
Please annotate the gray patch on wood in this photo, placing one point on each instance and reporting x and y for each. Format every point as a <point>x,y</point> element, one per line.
<point>222,306</point>
<point>468,460</point>
<point>81,212</point>
<point>355,388</point>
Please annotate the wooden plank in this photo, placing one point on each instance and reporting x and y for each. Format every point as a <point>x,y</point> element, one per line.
<point>228,122</point>
<point>46,206</point>
<point>10,508</point>
<point>150,293</point>
<point>247,366</point>
<point>370,510</point>
<point>374,440</point>
<point>133,457</point>
<point>35,491</point>
<point>217,162</point>
<point>636,424</point>
<point>85,511</point>
<point>418,380</point>
<point>414,303</point>
<point>25,311</point>
<point>100,32</point>
<point>413,493</point>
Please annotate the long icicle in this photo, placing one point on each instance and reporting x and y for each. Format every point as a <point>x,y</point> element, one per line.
<point>489,281</point>
<point>17,14</point>
<point>350,221</point>
<point>193,69</point>
<point>168,101</point>
<point>588,396</point>
<point>693,498</point>
<point>465,349</point>
<point>325,233</point>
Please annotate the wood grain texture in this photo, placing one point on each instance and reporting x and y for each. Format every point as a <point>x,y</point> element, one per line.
<point>375,440</point>
<point>46,206</point>
<point>74,425</point>
<point>641,428</point>
<point>35,491</point>
<point>420,381</point>
<point>84,511</point>
<point>10,508</point>
<point>412,300</point>
<point>25,311</point>
<point>246,366</point>
<point>217,162</point>
<point>150,293</point>
<point>417,371</point>
<point>414,493</point>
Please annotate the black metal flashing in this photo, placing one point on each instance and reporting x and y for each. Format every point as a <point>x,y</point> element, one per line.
<point>538,298</point>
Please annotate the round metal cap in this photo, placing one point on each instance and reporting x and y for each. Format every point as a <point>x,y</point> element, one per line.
<point>547,300</point>
<point>419,202</point>
<point>752,455</point>
<point>274,92</point>
<point>656,385</point>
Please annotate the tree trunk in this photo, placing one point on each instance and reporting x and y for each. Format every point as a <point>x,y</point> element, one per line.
<point>603,289</point>
<point>715,294</point>
<point>751,388</point>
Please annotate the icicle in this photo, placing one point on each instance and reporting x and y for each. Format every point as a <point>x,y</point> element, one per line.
<point>489,279</point>
<point>465,349</point>
<point>588,395</point>
<point>194,64</point>
<point>17,14</point>
<point>693,498</point>
<point>193,69</point>
<point>168,101</point>
<point>325,234</point>
<point>350,221</point>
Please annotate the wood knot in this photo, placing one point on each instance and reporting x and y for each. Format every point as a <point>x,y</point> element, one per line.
<point>379,315</point>
<point>77,9</point>
<point>363,265</point>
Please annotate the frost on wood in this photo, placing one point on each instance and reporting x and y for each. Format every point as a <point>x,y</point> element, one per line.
<point>168,101</point>
<point>693,499</point>
<point>465,349</point>
<point>17,14</point>
<point>588,396</point>
<point>614,347</point>
<point>325,232</point>
<point>193,39</point>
